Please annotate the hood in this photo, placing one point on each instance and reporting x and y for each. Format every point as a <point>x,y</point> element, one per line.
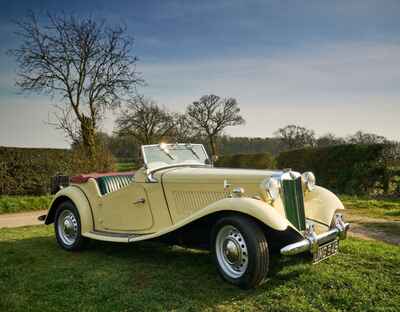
<point>215,175</point>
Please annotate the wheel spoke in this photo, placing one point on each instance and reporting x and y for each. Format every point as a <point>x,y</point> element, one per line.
<point>231,251</point>
<point>67,227</point>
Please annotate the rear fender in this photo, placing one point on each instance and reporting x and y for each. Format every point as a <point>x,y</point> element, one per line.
<point>77,196</point>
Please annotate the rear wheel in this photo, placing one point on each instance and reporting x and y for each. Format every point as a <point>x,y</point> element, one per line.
<point>67,226</point>
<point>240,251</point>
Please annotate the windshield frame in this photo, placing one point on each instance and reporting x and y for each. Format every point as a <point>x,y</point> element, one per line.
<point>146,164</point>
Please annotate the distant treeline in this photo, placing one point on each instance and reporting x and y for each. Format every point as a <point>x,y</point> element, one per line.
<point>126,149</point>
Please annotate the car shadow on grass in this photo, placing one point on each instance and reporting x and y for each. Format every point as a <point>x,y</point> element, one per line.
<point>188,262</point>
<point>144,275</point>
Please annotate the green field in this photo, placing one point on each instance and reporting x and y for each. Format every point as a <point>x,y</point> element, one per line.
<point>388,209</point>
<point>11,204</point>
<point>36,275</point>
<point>125,166</point>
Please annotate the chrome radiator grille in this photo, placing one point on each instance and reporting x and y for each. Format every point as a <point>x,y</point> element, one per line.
<point>294,202</point>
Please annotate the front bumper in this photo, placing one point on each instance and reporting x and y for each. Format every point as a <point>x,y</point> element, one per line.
<point>313,241</point>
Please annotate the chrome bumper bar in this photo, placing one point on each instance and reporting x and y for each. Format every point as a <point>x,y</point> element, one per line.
<point>313,241</point>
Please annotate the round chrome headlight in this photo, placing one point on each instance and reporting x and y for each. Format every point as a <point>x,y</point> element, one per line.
<point>308,180</point>
<point>272,186</point>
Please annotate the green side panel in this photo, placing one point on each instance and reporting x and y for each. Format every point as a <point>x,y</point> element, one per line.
<point>294,203</point>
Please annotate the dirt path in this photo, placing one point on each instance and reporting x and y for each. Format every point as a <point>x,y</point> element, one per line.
<point>21,219</point>
<point>374,229</point>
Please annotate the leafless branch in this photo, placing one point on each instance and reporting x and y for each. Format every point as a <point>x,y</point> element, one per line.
<point>211,115</point>
<point>145,121</point>
<point>86,63</point>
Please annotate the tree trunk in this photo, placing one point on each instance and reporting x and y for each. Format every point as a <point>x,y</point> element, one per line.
<point>212,146</point>
<point>88,137</point>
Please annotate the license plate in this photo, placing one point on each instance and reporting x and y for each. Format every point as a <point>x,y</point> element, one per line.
<point>325,251</point>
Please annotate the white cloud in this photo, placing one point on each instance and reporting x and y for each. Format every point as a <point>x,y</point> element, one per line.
<point>345,67</point>
<point>338,88</point>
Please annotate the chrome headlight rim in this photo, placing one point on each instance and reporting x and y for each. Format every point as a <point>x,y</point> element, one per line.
<point>309,180</point>
<point>272,187</point>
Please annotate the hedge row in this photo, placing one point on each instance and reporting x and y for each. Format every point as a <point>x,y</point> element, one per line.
<point>345,169</point>
<point>251,161</point>
<point>27,171</point>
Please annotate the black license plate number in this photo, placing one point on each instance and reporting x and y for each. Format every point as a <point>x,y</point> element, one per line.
<point>325,251</point>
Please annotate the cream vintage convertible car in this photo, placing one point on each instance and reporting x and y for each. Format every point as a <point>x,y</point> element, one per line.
<point>180,198</point>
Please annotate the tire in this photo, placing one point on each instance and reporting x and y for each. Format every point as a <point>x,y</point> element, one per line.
<point>240,251</point>
<point>67,226</point>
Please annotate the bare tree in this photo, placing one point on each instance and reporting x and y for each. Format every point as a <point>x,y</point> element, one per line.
<point>183,131</point>
<point>329,139</point>
<point>82,60</point>
<point>145,121</point>
<point>211,115</point>
<point>294,136</point>
<point>366,138</point>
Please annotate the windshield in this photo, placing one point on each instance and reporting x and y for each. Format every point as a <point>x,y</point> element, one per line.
<point>170,154</point>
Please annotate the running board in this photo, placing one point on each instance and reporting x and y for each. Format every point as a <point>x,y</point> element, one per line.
<point>111,237</point>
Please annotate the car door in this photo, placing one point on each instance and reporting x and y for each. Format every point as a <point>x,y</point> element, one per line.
<point>125,210</point>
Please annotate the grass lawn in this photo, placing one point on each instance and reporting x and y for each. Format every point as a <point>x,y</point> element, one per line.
<point>10,204</point>
<point>36,275</point>
<point>374,208</point>
<point>125,166</point>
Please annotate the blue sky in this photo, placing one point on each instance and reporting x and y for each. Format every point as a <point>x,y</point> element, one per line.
<point>333,66</point>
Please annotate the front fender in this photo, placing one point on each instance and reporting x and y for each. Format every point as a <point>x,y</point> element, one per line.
<point>321,204</point>
<point>253,207</point>
<point>78,197</point>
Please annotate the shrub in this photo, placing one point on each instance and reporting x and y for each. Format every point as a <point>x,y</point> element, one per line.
<point>346,169</point>
<point>27,171</point>
<point>252,161</point>
<point>103,160</point>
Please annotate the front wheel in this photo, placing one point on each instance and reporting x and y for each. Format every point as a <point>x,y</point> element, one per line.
<point>240,251</point>
<point>67,226</point>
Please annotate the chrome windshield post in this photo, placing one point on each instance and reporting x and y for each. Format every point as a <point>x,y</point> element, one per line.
<point>150,177</point>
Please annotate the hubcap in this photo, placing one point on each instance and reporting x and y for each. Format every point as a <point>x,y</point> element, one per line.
<point>67,227</point>
<point>231,251</point>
